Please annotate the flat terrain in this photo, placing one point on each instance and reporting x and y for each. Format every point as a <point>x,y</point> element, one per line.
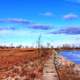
<point>10,57</point>
<point>37,64</point>
<point>22,63</point>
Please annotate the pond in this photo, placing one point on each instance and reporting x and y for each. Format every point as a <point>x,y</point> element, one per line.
<point>72,55</point>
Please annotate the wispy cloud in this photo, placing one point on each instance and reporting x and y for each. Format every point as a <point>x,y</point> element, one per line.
<point>2,28</point>
<point>16,20</point>
<point>40,27</point>
<point>70,16</point>
<point>29,24</point>
<point>69,30</point>
<point>47,14</point>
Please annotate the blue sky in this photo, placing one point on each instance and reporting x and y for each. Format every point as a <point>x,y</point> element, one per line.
<point>22,21</point>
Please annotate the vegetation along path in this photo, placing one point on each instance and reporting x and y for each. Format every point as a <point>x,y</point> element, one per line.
<point>49,71</point>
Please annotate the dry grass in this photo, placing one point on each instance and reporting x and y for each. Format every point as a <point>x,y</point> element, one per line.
<point>27,64</point>
<point>69,71</point>
<point>22,64</point>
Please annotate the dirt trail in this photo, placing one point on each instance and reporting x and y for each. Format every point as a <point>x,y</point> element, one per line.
<point>49,71</point>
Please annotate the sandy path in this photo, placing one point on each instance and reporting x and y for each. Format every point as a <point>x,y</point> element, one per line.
<point>49,71</point>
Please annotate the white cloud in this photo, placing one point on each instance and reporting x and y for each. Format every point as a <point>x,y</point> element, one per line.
<point>16,20</point>
<point>47,14</point>
<point>70,16</point>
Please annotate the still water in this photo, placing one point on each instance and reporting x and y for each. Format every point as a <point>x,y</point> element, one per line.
<point>73,55</point>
